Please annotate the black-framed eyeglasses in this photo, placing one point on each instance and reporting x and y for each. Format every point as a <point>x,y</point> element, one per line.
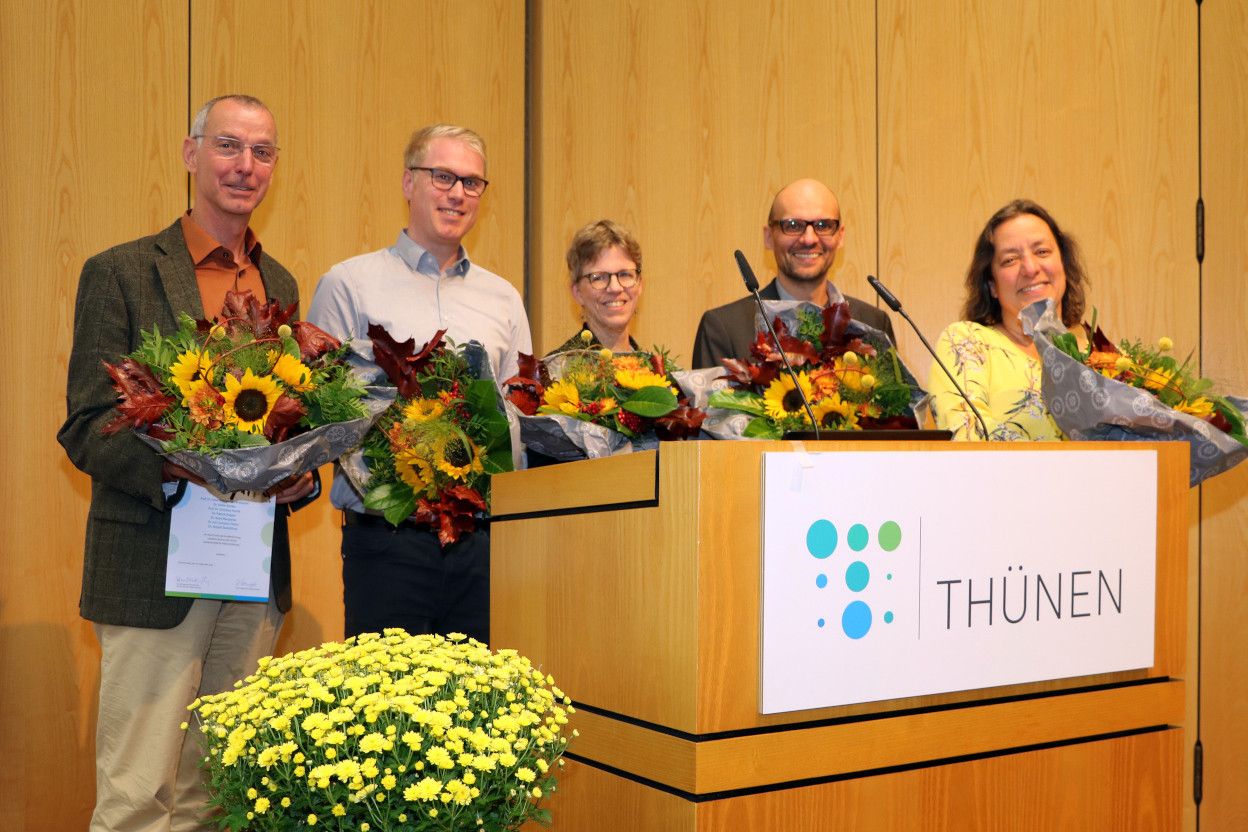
<point>228,147</point>
<point>444,180</point>
<point>627,278</point>
<point>790,227</point>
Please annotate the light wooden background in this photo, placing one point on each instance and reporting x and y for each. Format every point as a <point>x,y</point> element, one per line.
<point>678,119</point>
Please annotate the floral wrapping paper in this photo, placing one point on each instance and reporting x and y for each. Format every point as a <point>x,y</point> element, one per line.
<point>1090,407</point>
<point>260,468</point>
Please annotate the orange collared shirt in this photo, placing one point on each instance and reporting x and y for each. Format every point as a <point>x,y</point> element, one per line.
<point>215,269</point>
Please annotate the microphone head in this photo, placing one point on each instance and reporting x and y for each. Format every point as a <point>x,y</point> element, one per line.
<point>747,274</point>
<point>890,300</point>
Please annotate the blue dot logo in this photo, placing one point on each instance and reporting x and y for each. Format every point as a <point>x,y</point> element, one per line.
<point>821,580</point>
<point>821,539</point>
<point>857,576</point>
<point>856,620</point>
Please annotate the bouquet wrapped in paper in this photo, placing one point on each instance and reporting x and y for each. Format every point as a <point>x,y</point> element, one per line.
<point>431,454</point>
<point>1134,392</point>
<point>849,373</point>
<point>585,404</point>
<point>243,401</point>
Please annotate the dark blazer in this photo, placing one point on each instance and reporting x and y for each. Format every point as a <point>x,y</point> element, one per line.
<point>122,291</point>
<point>727,331</point>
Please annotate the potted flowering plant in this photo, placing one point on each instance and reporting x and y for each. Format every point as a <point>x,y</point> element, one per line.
<point>243,401</point>
<point>1134,391</point>
<point>430,456</point>
<point>849,373</point>
<point>385,733</point>
<point>593,402</point>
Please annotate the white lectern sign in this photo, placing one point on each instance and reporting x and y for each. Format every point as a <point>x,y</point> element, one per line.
<point>892,574</point>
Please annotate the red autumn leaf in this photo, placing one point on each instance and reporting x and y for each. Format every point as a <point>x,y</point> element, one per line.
<point>1098,340</point>
<point>682,423</point>
<point>160,432</point>
<point>746,373</point>
<point>525,388</point>
<point>262,319</point>
<point>798,352</point>
<point>141,401</point>
<point>312,340</point>
<point>452,516</point>
<point>283,418</point>
<point>836,339</point>
<point>524,398</point>
<point>400,361</point>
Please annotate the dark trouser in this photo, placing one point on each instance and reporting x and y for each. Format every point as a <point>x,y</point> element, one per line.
<point>403,578</point>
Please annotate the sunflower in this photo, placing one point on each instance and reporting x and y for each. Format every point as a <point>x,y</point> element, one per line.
<point>414,469</point>
<point>631,379</point>
<point>561,397</point>
<point>1199,407</point>
<point>293,373</point>
<point>191,366</point>
<point>782,400</point>
<point>423,410</point>
<point>457,456</point>
<point>248,400</point>
<point>833,412</point>
<point>1157,379</point>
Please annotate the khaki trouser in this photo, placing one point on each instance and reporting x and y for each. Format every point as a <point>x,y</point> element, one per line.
<point>148,775</point>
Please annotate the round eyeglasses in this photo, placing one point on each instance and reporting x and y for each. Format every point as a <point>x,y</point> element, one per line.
<point>627,278</point>
<point>795,228</point>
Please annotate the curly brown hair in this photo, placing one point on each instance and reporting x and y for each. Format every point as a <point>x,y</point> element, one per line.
<point>981,307</point>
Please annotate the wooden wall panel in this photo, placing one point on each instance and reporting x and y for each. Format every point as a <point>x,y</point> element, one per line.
<point>93,99</point>
<point>682,120</point>
<point>348,82</point>
<point>1224,349</point>
<point>1086,107</point>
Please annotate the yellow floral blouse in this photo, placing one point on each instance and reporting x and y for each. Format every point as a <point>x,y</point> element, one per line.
<point>1002,381</point>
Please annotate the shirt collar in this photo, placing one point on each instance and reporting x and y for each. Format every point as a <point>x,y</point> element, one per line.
<point>834,294</point>
<point>418,258</point>
<point>201,245</point>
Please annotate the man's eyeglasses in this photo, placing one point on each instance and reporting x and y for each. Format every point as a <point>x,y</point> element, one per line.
<point>795,228</point>
<point>228,148</point>
<point>627,278</point>
<point>444,180</point>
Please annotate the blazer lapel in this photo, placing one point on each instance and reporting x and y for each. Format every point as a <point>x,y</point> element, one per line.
<point>177,273</point>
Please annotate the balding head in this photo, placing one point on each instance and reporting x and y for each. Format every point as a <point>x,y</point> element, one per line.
<point>804,258</point>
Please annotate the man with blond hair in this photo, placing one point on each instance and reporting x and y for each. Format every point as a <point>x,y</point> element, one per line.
<point>425,282</point>
<point>804,230</point>
<point>157,652</point>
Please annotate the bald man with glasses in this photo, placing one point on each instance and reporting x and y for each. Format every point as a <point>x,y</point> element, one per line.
<point>425,282</point>
<point>804,230</point>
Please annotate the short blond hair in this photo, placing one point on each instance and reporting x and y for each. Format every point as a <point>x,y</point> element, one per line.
<point>418,144</point>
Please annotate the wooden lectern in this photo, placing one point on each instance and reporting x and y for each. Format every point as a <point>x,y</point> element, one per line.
<point>634,580</point>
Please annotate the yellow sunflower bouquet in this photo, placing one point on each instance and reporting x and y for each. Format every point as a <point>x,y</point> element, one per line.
<point>1135,391</point>
<point>849,373</point>
<point>245,400</point>
<point>430,456</point>
<point>385,733</point>
<point>593,402</point>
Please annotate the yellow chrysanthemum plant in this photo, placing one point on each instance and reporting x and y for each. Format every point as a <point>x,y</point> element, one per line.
<point>1135,390</point>
<point>248,379</point>
<point>385,732</point>
<point>852,378</point>
<point>431,454</point>
<point>631,393</point>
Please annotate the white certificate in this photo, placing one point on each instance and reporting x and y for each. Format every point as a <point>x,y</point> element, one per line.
<point>220,546</point>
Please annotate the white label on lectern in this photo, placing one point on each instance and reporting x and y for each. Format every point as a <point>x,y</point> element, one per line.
<point>896,574</point>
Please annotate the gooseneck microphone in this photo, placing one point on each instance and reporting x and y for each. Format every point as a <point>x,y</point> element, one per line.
<point>890,300</point>
<point>751,286</point>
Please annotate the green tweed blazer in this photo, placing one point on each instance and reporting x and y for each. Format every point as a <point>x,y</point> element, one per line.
<point>121,292</point>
